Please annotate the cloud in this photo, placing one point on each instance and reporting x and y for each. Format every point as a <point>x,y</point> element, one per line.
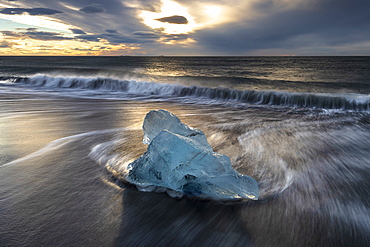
<point>40,35</point>
<point>114,39</point>
<point>6,44</point>
<point>221,27</point>
<point>77,31</point>
<point>28,29</point>
<point>170,37</point>
<point>297,28</point>
<point>146,34</point>
<point>34,34</point>
<point>175,19</point>
<point>117,39</point>
<point>111,31</point>
<point>30,11</point>
<point>89,37</point>
<point>92,9</point>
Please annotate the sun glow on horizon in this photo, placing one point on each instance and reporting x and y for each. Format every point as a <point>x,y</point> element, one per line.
<point>25,47</point>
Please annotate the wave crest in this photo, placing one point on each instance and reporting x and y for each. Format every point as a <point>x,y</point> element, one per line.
<point>350,102</point>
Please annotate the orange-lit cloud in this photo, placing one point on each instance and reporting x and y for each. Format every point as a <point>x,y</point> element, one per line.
<point>33,42</point>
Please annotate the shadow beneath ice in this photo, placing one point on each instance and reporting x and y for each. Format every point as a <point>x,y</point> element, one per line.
<point>155,219</point>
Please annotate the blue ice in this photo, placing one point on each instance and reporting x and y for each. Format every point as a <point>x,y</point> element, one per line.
<point>179,158</point>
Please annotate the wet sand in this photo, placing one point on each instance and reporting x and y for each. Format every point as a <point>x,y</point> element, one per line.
<point>53,194</point>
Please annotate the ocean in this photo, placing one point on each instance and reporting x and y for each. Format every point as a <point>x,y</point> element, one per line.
<point>300,126</point>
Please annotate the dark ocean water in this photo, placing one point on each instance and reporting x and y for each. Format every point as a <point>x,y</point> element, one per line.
<point>300,126</point>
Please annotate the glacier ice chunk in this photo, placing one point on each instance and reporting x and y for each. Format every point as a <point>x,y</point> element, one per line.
<point>179,158</point>
<point>157,121</point>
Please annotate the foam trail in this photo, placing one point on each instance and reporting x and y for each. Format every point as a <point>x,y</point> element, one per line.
<point>56,144</point>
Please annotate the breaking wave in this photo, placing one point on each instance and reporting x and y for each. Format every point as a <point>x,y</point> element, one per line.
<point>351,102</point>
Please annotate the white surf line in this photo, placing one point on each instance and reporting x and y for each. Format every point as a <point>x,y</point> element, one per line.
<point>59,143</point>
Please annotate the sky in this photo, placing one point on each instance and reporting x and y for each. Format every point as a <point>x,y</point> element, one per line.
<point>185,27</point>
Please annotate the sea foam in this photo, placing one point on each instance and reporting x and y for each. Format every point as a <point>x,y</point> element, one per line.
<point>347,102</point>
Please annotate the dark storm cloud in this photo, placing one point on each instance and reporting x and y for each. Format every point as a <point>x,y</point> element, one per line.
<point>31,11</point>
<point>77,31</point>
<point>175,19</point>
<point>92,9</point>
<point>320,23</point>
